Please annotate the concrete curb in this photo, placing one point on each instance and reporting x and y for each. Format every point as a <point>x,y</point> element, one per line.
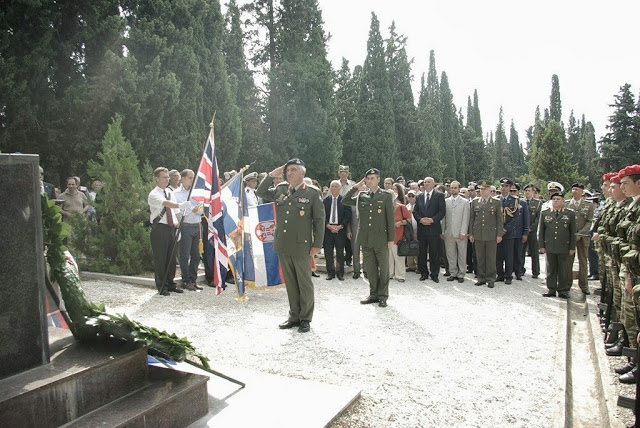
<point>147,282</point>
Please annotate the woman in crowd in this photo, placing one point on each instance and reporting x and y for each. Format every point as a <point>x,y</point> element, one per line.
<point>401,217</point>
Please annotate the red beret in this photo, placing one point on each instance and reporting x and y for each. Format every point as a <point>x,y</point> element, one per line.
<point>628,170</point>
<point>607,176</point>
<point>614,178</point>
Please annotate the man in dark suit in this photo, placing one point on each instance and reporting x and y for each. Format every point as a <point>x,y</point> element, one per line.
<point>430,209</point>
<point>337,217</point>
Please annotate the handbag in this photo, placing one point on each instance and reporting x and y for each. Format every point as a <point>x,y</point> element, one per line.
<point>408,248</point>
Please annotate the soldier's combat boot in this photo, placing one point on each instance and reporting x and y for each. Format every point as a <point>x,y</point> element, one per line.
<point>627,367</point>
<point>630,377</point>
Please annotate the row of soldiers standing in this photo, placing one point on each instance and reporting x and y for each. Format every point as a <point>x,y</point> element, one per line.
<point>617,237</point>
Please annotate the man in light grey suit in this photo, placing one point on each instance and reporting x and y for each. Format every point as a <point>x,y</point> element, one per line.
<point>455,225</point>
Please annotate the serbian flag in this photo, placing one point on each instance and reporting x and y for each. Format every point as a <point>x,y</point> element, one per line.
<point>263,269</point>
<point>206,189</point>
<point>235,202</point>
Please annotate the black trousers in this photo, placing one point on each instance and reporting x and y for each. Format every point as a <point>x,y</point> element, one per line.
<point>531,247</point>
<point>430,244</point>
<point>505,255</point>
<point>334,241</point>
<point>593,260</point>
<point>206,256</point>
<point>472,262</point>
<point>163,241</point>
<point>348,251</point>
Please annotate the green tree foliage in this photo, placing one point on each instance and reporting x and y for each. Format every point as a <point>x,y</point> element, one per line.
<point>475,153</point>
<point>621,145</point>
<point>346,100</point>
<point>118,243</point>
<point>549,160</point>
<point>502,163</point>
<point>555,106</point>
<point>516,154</point>
<point>404,110</point>
<point>430,122</point>
<point>375,135</point>
<point>592,168</point>
<point>451,144</point>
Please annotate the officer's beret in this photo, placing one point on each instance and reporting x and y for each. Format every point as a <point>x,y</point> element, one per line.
<point>343,168</point>
<point>400,178</point>
<point>529,186</point>
<point>372,171</point>
<point>554,194</point>
<point>505,180</point>
<point>607,176</point>
<point>629,170</point>
<point>483,183</point>
<point>294,161</point>
<point>251,176</point>
<point>578,185</point>
<point>614,178</point>
<point>555,185</point>
<point>537,189</point>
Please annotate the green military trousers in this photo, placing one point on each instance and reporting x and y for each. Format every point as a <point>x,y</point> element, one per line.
<point>376,264</point>
<point>297,277</point>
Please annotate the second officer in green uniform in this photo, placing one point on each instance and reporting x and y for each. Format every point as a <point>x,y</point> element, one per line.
<point>299,233</point>
<point>376,232</point>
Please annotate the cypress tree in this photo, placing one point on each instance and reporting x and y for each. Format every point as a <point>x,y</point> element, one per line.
<point>346,99</point>
<point>502,165</point>
<point>555,107</point>
<point>592,168</point>
<point>549,160</point>
<point>451,143</point>
<point>430,123</point>
<point>621,145</point>
<point>404,111</point>
<point>376,122</point>
<point>516,153</point>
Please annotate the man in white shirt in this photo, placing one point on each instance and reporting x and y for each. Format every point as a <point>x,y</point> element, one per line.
<point>164,221</point>
<point>250,185</point>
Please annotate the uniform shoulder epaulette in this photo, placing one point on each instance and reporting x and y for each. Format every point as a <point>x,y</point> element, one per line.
<point>284,183</point>
<point>311,186</point>
<point>497,198</point>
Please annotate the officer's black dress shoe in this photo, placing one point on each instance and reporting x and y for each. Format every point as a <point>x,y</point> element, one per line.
<point>626,368</point>
<point>614,351</point>
<point>435,279</point>
<point>479,283</point>
<point>452,278</point>
<point>586,292</point>
<point>176,290</point>
<point>490,285</point>
<point>563,295</point>
<point>549,294</point>
<point>423,277</point>
<point>630,377</point>
<point>304,326</point>
<point>289,324</point>
<point>356,275</point>
<point>460,280</point>
<point>330,277</point>
<point>534,276</point>
<point>594,277</point>
<point>165,293</point>
<point>519,278</point>
<point>447,274</point>
<point>316,274</point>
<point>368,301</point>
<point>507,281</point>
<point>499,279</point>
<point>469,270</point>
<point>340,277</point>
<point>382,303</point>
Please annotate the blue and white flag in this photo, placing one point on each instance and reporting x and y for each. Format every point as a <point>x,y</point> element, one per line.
<point>264,269</point>
<point>235,201</point>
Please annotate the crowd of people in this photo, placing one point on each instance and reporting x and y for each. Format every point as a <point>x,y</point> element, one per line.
<point>75,198</point>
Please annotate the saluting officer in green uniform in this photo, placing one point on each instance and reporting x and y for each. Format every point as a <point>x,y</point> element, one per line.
<point>557,239</point>
<point>376,233</point>
<point>299,233</point>
<point>485,232</point>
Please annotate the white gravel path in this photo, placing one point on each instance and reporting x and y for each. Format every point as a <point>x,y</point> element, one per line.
<point>440,354</point>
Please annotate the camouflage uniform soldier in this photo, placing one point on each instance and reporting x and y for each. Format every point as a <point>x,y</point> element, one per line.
<point>557,238</point>
<point>485,232</point>
<point>376,233</point>
<point>629,270</point>
<point>598,229</point>
<point>299,233</point>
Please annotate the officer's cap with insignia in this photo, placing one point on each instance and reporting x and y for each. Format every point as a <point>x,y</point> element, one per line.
<point>343,168</point>
<point>251,176</point>
<point>483,183</point>
<point>372,171</point>
<point>530,186</point>
<point>554,185</point>
<point>587,193</point>
<point>578,185</point>
<point>629,170</point>
<point>294,161</point>
<point>505,180</point>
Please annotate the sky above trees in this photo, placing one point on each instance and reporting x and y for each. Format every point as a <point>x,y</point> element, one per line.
<point>506,50</point>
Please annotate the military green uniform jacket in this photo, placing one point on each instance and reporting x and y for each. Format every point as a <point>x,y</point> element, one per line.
<point>584,216</point>
<point>485,219</point>
<point>535,208</point>
<point>377,226</point>
<point>557,233</point>
<point>299,217</point>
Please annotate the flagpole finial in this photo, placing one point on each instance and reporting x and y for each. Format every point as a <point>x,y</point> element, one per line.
<point>213,119</point>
